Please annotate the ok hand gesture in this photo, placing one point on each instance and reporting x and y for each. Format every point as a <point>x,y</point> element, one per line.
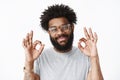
<point>31,52</point>
<point>90,48</point>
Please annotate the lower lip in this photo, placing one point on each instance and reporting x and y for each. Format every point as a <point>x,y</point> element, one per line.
<point>62,39</point>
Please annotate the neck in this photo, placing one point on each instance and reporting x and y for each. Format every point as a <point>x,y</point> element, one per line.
<point>63,51</point>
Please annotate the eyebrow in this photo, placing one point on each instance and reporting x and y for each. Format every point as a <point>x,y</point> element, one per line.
<point>51,26</point>
<point>60,25</point>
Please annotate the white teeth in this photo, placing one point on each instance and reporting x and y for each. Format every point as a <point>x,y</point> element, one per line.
<point>61,38</point>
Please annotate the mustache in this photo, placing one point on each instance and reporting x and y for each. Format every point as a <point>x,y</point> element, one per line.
<point>63,35</point>
<point>67,46</point>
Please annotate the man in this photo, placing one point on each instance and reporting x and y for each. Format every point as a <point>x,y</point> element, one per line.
<point>63,61</point>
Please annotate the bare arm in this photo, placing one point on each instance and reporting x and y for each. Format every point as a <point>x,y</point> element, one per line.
<point>90,49</point>
<point>29,74</point>
<point>95,72</point>
<point>31,54</point>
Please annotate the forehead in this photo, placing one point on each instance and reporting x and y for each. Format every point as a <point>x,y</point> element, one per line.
<point>58,21</point>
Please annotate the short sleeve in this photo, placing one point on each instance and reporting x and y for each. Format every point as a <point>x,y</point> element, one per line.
<point>88,66</point>
<point>37,67</point>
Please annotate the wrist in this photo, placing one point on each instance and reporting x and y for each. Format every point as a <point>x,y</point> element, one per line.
<point>26,70</point>
<point>29,65</point>
<point>94,59</point>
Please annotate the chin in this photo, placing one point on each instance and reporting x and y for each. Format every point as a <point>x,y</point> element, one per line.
<point>63,45</point>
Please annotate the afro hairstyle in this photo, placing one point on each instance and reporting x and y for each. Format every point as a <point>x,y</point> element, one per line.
<point>56,11</point>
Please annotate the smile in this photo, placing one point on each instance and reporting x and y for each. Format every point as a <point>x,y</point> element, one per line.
<point>61,39</point>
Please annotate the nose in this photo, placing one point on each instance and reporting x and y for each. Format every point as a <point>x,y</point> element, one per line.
<point>59,32</point>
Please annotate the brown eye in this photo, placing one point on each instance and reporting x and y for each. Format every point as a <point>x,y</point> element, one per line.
<point>53,29</point>
<point>65,27</point>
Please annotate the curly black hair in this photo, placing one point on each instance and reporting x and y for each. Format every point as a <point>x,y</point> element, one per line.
<point>56,11</point>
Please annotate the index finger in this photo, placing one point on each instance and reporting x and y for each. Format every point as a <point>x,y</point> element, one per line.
<point>41,46</point>
<point>37,42</point>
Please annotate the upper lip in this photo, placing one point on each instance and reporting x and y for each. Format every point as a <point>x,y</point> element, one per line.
<point>62,36</point>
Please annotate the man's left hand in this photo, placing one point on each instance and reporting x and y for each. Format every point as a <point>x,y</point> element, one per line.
<point>90,40</point>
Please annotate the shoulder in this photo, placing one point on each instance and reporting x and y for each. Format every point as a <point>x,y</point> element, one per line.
<point>47,50</point>
<point>45,53</point>
<point>78,52</point>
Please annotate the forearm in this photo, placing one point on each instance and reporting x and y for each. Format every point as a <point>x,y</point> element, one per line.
<point>31,76</point>
<point>29,73</point>
<point>95,72</point>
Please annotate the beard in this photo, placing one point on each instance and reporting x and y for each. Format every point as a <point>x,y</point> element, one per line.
<point>65,47</point>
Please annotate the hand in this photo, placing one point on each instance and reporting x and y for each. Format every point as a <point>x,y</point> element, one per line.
<point>90,48</point>
<point>30,48</point>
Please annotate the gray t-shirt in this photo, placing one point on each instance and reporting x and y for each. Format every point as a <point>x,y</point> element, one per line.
<point>52,65</point>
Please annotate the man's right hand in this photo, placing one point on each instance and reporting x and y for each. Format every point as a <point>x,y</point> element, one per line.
<point>31,53</point>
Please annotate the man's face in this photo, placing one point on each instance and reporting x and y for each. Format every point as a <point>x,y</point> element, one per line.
<point>61,33</point>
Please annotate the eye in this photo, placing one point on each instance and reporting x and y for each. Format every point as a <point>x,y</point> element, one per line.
<point>65,27</point>
<point>52,29</point>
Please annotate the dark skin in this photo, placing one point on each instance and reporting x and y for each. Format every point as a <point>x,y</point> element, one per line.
<point>61,40</point>
<point>90,48</point>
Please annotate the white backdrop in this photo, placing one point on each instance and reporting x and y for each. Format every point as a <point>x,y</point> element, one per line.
<point>17,17</point>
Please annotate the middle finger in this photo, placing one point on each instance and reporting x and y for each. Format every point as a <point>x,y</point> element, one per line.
<point>91,34</point>
<point>86,33</point>
<point>30,37</point>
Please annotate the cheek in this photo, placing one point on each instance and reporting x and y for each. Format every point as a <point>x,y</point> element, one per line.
<point>52,36</point>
